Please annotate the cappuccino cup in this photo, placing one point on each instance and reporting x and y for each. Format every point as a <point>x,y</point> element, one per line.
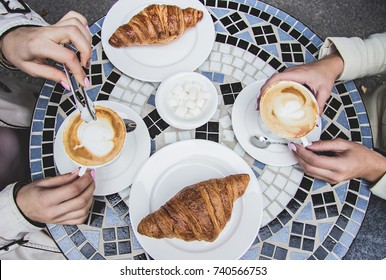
<point>96,143</point>
<point>289,110</point>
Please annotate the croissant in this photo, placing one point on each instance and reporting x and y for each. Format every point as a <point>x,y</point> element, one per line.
<point>197,212</point>
<point>156,24</point>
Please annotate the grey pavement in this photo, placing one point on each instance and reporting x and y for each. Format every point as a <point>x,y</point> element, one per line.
<point>325,18</point>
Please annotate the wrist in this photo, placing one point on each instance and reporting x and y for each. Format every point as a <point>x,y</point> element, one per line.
<point>3,60</point>
<point>18,186</point>
<point>335,65</point>
<point>376,167</point>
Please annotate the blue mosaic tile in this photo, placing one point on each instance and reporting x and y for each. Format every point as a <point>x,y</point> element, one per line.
<point>342,120</point>
<point>112,219</point>
<point>271,49</point>
<point>341,191</point>
<point>340,250</point>
<point>331,257</point>
<point>42,103</point>
<point>35,153</point>
<point>358,216</point>
<point>323,230</point>
<point>299,256</point>
<point>219,12</point>
<point>245,36</point>
<point>259,164</point>
<point>92,237</point>
<point>57,232</point>
<point>252,20</point>
<point>66,244</point>
<point>306,213</point>
<point>108,68</point>
<point>260,5</point>
<point>39,114</point>
<point>37,126</point>
<point>74,255</point>
<point>251,254</point>
<point>282,236</point>
<point>346,240</point>
<point>218,78</point>
<point>366,131</point>
<point>93,92</point>
<point>272,10</point>
<point>36,166</point>
<point>219,28</point>
<point>359,107</point>
<point>300,27</point>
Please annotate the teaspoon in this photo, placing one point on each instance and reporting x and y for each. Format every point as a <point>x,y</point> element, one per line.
<point>262,142</point>
<point>130,125</point>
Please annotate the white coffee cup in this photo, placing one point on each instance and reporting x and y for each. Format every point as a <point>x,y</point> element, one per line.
<point>288,110</point>
<point>93,144</point>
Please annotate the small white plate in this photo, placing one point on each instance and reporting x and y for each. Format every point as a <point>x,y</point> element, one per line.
<point>155,63</point>
<point>166,112</point>
<point>245,122</point>
<point>119,174</point>
<point>182,164</point>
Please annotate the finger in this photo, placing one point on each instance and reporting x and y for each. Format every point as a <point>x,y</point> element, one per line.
<point>57,181</point>
<point>45,71</point>
<point>321,97</point>
<point>336,145</point>
<point>72,189</point>
<point>316,172</point>
<point>83,28</point>
<point>290,74</point>
<point>73,14</point>
<point>64,56</point>
<point>75,209</point>
<point>315,160</point>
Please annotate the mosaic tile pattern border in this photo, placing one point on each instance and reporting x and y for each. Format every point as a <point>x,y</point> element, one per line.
<point>303,218</point>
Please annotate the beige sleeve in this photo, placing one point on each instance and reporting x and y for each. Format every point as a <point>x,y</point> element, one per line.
<point>361,57</point>
<point>379,189</point>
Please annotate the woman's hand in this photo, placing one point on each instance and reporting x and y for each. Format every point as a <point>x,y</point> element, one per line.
<point>347,160</point>
<point>64,199</point>
<point>319,76</point>
<point>28,48</point>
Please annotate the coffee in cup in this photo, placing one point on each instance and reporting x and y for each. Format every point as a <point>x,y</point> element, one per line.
<point>95,143</point>
<point>289,110</point>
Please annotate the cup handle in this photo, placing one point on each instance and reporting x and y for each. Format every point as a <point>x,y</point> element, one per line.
<point>82,170</point>
<point>305,142</point>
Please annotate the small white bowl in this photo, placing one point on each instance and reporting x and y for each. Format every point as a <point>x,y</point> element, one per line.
<point>200,103</point>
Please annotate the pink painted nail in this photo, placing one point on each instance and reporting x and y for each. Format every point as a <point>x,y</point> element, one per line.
<point>86,82</point>
<point>75,170</point>
<point>66,86</point>
<point>292,146</point>
<point>92,172</point>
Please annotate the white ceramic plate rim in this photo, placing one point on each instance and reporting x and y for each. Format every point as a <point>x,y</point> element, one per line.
<point>185,54</point>
<point>119,174</point>
<point>161,101</point>
<point>245,125</point>
<point>240,231</point>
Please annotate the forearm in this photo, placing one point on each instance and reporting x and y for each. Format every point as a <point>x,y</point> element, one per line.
<point>361,57</point>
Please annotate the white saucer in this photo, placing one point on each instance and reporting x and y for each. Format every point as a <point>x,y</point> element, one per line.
<point>245,124</point>
<point>120,173</point>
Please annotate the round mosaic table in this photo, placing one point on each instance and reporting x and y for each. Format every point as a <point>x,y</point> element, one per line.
<point>303,218</point>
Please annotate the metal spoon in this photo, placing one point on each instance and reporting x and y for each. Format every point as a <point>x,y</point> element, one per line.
<point>130,125</point>
<point>262,142</point>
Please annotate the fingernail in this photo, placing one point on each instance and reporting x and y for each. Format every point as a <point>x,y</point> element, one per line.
<point>86,82</point>
<point>75,170</point>
<point>92,172</point>
<point>292,146</point>
<point>66,86</point>
<point>88,64</point>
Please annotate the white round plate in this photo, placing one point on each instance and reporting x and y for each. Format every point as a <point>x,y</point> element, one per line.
<point>245,124</point>
<point>121,172</point>
<point>166,113</point>
<point>182,164</point>
<point>155,63</point>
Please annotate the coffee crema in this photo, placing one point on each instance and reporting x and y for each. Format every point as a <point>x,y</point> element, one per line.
<point>289,109</point>
<point>96,142</point>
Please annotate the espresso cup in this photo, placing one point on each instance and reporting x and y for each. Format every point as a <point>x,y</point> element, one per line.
<point>289,110</point>
<point>96,143</point>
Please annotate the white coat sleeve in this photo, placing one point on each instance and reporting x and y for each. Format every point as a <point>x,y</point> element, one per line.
<point>361,57</point>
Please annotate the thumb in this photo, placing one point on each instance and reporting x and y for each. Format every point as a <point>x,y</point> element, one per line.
<point>322,95</point>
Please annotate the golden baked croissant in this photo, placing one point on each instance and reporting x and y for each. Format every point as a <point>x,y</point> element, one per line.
<point>197,212</point>
<point>156,24</point>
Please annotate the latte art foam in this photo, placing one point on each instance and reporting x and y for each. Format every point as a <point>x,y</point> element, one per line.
<point>96,142</point>
<point>96,136</point>
<point>289,110</point>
